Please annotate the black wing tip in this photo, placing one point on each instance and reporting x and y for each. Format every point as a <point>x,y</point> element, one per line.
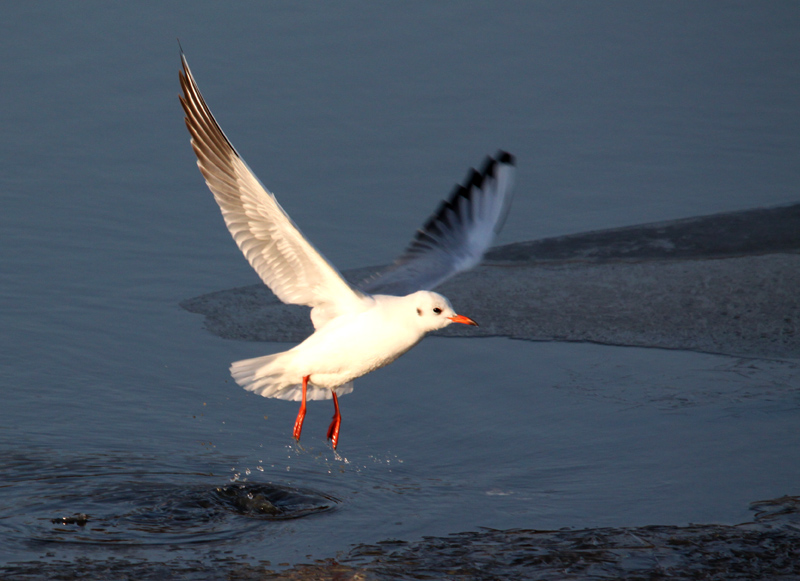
<point>505,158</point>
<point>184,63</point>
<point>427,237</point>
<point>184,73</point>
<point>475,178</point>
<point>489,167</point>
<point>191,94</point>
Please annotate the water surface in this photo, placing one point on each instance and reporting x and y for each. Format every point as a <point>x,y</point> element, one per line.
<point>120,425</point>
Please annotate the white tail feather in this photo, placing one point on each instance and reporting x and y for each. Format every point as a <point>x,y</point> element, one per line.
<point>267,377</point>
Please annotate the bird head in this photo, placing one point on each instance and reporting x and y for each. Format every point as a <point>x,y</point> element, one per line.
<point>435,312</point>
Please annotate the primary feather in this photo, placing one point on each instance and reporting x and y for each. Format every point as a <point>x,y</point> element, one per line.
<point>285,260</point>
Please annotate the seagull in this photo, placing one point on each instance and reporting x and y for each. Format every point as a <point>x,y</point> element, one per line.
<point>356,330</point>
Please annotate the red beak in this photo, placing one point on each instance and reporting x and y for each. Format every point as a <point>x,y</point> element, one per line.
<point>463,319</point>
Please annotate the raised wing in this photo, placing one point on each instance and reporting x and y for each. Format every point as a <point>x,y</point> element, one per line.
<point>289,265</point>
<point>458,234</point>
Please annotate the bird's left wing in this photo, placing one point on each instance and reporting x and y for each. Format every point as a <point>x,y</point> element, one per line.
<point>289,265</point>
<point>457,235</point>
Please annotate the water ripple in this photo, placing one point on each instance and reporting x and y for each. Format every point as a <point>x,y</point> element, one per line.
<point>85,505</point>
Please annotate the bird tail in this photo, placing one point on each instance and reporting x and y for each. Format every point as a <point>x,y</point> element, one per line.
<point>267,376</point>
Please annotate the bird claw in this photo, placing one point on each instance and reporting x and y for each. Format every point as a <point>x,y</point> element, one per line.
<point>333,431</point>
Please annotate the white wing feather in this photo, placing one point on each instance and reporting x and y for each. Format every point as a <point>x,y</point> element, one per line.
<point>287,263</point>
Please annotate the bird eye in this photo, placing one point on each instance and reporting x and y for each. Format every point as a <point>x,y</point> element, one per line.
<point>437,310</point>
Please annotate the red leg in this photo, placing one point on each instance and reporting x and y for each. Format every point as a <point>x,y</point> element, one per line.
<point>333,430</point>
<point>301,415</point>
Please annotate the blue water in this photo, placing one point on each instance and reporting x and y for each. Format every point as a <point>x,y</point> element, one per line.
<point>116,403</point>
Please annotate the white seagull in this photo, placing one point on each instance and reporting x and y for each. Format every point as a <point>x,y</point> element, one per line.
<point>356,330</point>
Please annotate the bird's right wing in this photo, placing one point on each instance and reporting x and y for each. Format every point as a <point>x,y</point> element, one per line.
<point>458,234</point>
<point>289,265</point>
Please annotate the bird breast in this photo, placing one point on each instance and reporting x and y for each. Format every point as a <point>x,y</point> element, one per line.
<point>353,345</point>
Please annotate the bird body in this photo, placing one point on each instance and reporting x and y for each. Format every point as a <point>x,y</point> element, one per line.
<point>356,330</point>
<point>346,347</point>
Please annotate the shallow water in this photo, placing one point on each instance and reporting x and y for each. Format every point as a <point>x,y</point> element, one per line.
<point>121,433</point>
<point>537,435</point>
